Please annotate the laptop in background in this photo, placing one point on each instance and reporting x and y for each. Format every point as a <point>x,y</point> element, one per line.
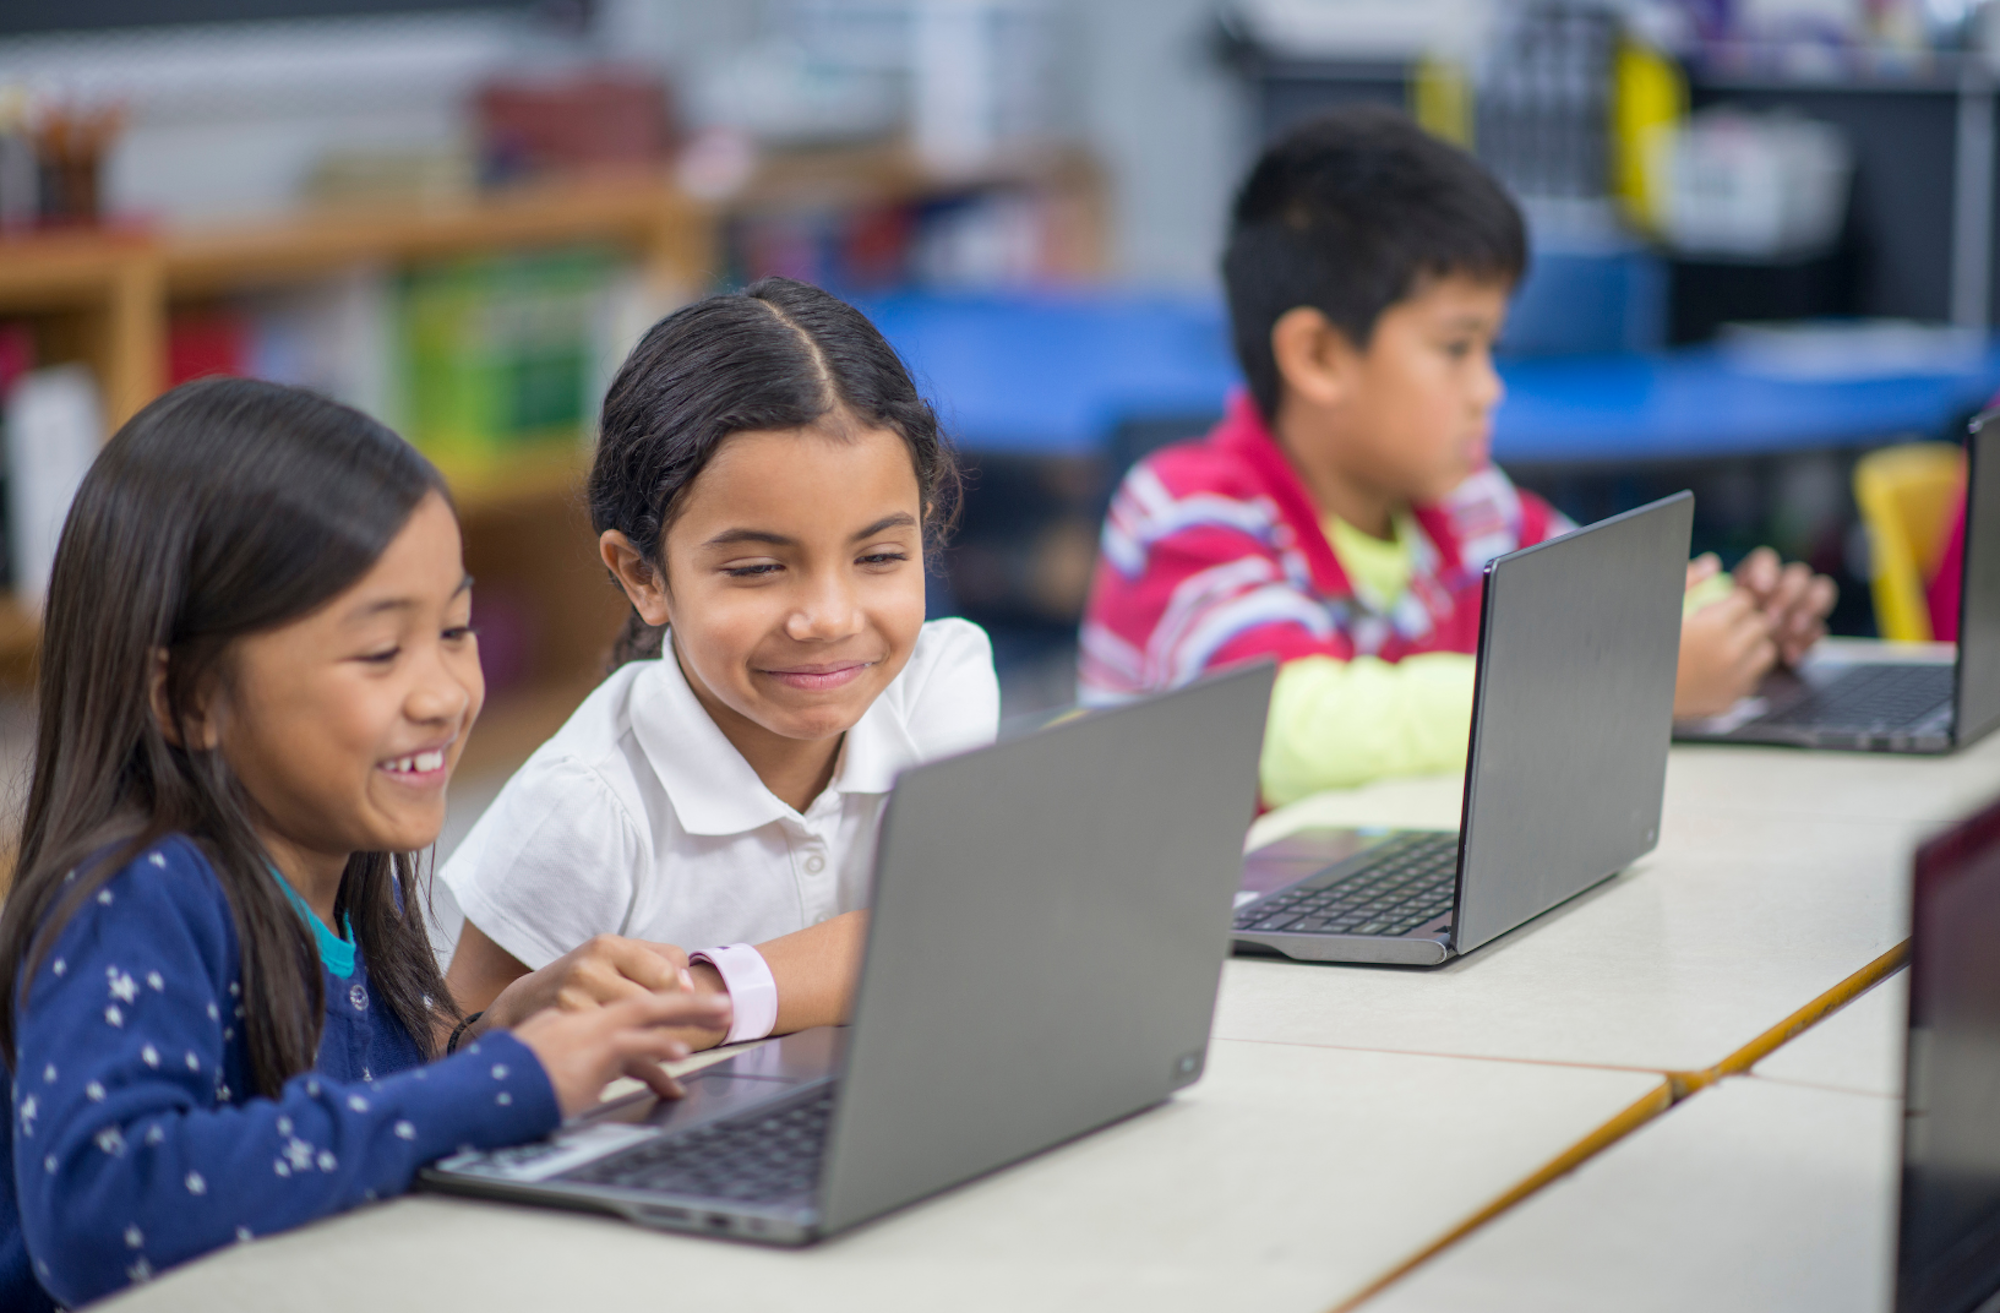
<point>1051,916</point>
<point>1948,1225</point>
<point>1579,638</point>
<point>1881,706</point>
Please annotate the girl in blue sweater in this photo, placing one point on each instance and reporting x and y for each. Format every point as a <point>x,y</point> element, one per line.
<point>257,672</point>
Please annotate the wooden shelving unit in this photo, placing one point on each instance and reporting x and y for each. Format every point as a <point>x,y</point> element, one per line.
<point>670,233</point>
<point>105,298</point>
<point>95,297</point>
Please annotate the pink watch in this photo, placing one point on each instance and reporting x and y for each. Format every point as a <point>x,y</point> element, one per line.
<point>753,990</point>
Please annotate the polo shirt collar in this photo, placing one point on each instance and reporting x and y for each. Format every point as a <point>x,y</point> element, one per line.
<point>713,789</point>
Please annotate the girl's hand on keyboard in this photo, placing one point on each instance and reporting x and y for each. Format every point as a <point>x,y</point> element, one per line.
<point>584,1051</point>
<point>601,970</point>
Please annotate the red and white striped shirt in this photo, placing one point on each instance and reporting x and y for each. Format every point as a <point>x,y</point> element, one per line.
<point>1213,554</point>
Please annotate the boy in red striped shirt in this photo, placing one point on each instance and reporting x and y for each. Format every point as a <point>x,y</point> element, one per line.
<point>1341,515</point>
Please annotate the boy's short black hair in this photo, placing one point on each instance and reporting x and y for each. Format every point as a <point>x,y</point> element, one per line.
<point>1348,213</point>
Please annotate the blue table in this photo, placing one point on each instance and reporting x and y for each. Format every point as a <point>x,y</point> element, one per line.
<point>1693,404</point>
<point>1053,374</point>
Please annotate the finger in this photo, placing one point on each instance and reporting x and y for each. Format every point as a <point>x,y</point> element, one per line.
<point>638,962</point>
<point>1795,597</point>
<point>1758,571</point>
<point>603,984</point>
<point>1793,586</point>
<point>1806,630</point>
<point>704,1011</point>
<point>674,953</point>
<point>574,997</point>
<point>656,1079</point>
<point>616,989</point>
<point>1703,568</point>
<point>636,1048</point>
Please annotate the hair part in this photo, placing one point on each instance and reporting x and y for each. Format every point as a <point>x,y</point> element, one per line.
<point>1348,214</point>
<point>223,509</point>
<point>779,355</point>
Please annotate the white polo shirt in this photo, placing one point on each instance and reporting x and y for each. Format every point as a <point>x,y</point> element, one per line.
<point>640,819</point>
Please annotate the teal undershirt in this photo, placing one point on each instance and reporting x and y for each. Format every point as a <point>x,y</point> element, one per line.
<point>337,953</point>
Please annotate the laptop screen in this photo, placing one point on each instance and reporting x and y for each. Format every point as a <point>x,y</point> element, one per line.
<point>1979,596</point>
<point>1948,1255</point>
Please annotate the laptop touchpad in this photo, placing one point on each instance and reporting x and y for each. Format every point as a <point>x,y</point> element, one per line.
<point>712,1094</point>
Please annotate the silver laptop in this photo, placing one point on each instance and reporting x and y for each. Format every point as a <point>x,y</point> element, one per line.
<point>1948,1225</point>
<point>1880,706</point>
<point>1051,917</point>
<point>1572,715</point>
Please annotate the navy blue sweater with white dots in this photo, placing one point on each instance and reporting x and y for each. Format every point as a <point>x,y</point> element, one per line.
<point>133,1146</point>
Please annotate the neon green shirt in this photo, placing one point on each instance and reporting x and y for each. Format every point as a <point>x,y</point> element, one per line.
<point>1337,724</point>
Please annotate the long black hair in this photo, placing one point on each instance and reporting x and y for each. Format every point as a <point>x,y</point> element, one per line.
<point>223,509</point>
<point>778,355</point>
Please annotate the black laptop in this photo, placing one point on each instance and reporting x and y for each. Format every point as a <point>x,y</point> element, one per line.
<point>1051,918</point>
<point>1948,1225</point>
<point>1881,706</point>
<point>1572,713</point>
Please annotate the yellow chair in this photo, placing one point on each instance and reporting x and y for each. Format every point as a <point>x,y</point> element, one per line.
<point>1906,495</point>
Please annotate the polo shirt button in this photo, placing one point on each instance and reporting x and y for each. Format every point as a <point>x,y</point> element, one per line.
<point>815,863</point>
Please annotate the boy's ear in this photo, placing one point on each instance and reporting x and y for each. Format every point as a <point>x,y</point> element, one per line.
<point>200,726</point>
<point>1315,358</point>
<point>636,575</point>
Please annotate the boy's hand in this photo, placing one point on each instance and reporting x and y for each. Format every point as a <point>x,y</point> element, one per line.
<point>600,971</point>
<point>584,1051</point>
<point>1726,647</point>
<point>1794,600</point>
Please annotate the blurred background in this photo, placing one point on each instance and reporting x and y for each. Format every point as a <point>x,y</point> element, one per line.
<point>1763,237</point>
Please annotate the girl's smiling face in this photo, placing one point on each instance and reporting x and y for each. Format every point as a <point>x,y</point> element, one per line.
<point>795,580</point>
<point>344,726</point>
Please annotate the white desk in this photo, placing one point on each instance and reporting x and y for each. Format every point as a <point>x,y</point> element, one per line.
<point>1858,1049</point>
<point>1756,1195</point>
<point>1289,1178</point>
<point>1774,1191</point>
<point>1780,878</point>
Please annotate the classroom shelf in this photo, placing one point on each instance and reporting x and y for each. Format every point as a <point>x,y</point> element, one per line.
<point>105,298</point>
<point>667,229</point>
<point>65,268</point>
<point>99,298</point>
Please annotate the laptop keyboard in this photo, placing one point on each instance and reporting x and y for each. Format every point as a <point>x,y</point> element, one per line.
<point>758,1158</point>
<point>1870,696</point>
<point>1408,883</point>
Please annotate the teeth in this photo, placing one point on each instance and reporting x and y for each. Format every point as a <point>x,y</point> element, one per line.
<point>422,761</point>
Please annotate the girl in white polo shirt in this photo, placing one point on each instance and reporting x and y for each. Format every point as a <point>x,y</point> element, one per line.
<point>766,484</point>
